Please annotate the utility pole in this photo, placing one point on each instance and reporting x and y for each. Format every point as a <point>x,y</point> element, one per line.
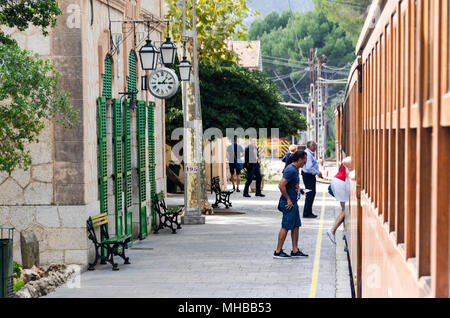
<point>317,103</point>
<point>312,98</point>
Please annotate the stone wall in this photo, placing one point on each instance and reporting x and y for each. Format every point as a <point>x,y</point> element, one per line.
<point>58,193</point>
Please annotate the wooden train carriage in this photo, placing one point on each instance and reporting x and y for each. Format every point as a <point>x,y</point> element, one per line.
<point>395,123</point>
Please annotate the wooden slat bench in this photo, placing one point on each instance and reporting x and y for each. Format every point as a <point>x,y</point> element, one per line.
<point>222,197</point>
<point>168,218</point>
<point>114,245</point>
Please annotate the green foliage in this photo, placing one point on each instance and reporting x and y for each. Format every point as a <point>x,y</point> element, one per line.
<point>29,93</point>
<point>349,14</point>
<point>20,14</point>
<point>330,152</point>
<point>286,48</point>
<point>217,21</point>
<point>234,97</point>
<point>18,283</point>
<point>273,21</point>
<point>17,268</point>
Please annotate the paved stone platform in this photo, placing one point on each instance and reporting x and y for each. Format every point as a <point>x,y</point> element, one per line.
<point>228,257</point>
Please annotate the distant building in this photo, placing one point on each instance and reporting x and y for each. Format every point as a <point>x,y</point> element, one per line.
<point>249,53</point>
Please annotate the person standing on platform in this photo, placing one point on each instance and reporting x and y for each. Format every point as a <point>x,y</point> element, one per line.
<point>235,153</point>
<point>252,164</point>
<point>309,173</point>
<point>290,194</point>
<point>340,186</point>
<point>287,158</point>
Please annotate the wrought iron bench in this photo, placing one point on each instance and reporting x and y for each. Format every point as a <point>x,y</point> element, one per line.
<point>168,218</point>
<point>222,197</point>
<point>113,245</point>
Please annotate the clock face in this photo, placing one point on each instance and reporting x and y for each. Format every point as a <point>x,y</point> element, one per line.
<point>163,83</point>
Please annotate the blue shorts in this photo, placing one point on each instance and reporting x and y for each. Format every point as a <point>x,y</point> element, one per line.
<point>291,218</point>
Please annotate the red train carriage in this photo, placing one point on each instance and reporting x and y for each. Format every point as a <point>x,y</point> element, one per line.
<point>395,124</point>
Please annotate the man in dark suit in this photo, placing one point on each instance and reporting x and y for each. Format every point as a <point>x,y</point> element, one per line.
<point>252,164</point>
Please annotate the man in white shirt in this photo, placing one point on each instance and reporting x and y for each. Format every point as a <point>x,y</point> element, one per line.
<point>309,173</point>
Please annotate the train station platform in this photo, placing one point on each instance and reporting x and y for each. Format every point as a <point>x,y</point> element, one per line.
<point>231,256</point>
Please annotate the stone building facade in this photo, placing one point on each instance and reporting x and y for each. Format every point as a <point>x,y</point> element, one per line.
<point>58,193</point>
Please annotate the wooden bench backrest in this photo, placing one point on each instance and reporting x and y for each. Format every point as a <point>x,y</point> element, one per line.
<point>99,220</point>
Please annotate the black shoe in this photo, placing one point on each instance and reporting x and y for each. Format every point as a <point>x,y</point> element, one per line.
<point>238,190</point>
<point>298,254</point>
<point>281,255</point>
<point>234,189</point>
<point>311,216</point>
<point>260,195</point>
<point>247,196</point>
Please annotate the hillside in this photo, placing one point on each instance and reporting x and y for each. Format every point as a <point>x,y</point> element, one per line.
<point>266,6</point>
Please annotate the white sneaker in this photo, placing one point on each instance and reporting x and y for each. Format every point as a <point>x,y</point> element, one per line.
<point>331,237</point>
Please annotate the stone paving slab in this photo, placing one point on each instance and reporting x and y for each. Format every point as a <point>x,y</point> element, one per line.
<point>228,257</point>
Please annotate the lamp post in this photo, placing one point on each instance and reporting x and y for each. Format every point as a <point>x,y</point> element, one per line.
<point>192,149</point>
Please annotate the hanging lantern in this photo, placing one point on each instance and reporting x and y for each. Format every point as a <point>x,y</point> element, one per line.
<point>185,68</point>
<point>168,52</point>
<point>149,56</point>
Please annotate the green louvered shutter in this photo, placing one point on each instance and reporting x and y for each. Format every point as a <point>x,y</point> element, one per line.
<point>107,78</point>
<point>118,166</point>
<point>152,163</point>
<point>131,84</point>
<point>102,155</point>
<point>127,170</point>
<point>141,123</point>
<point>132,72</point>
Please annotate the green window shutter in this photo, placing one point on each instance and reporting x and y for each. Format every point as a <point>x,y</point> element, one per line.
<point>102,160</point>
<point>127,169</point>
<point>141,123</point>
<point>118,165</point>
<point>131,81</point>
<point>102,154</point>
<point>107,78</point>
<point>152,163</point>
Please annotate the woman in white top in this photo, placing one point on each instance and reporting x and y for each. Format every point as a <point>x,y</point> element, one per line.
<point>340,185</point>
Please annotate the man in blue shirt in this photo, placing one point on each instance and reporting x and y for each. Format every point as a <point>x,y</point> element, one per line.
<point>289,187</point>
<point>309,173</point>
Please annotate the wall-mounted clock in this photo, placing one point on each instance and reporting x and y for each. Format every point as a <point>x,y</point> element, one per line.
<point>163,83</point>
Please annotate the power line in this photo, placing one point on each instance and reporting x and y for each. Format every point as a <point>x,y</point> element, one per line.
<point>292,65</point>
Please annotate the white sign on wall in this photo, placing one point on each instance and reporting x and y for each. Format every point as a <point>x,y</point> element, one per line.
<point>191,169</point>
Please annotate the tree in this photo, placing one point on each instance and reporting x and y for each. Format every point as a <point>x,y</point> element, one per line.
<point>286,47</point>
<point>29,92</point>
<point>349,14</point>
<point>233,97</point>
<point>273,21</point>
<point>217,21</point>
